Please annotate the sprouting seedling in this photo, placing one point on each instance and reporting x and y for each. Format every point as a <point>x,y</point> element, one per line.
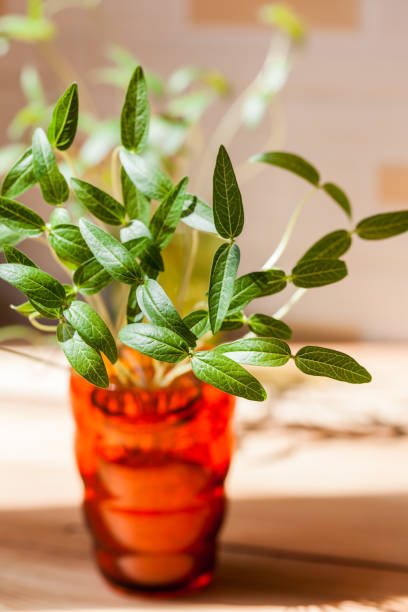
<point>124,247</point>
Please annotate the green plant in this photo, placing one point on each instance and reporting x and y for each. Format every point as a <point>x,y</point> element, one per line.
<point>126,246</point>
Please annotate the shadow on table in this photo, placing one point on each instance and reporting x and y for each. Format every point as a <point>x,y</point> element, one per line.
<point>45,559</point>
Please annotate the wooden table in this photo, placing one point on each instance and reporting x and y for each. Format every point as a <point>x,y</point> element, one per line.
<point>315,523</point>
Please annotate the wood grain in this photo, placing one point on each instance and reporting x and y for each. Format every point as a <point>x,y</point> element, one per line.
<point>321,528</point>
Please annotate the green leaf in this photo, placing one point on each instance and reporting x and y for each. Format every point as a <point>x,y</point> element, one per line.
<point>137,205</point>
<point>318,361</point>
<point>67,242</point>
<point>223,273</point>
<point>91,328</point>
<point>110,253</point>
<point>59,216</point>
<point>254,285</point>
<point>224,374</point>
<point>318,272</point>
<point>53,185</point>
<point>21,219</point>
<point>134,313</point>
<point>233,321</point>
<point>269,352</point>
<point>331,246</point>
<point>227,201</point>
<point>20,27</point>
<point>338,196</point>
<point>198,322</point>
<point>157,342</point>
<point>91,277</point>
<point>62,129</point>
<point>35,284</point>
<point>99,203</point>
<point>384,225</point>
<point>160,311</point>
<point>26,309</point>
<point>9,236</point>
<point>290,162</point>
<point>14,256</point>
<point>83,358</point>
<point>135,117</point>
<point>145,175</point>
<point>168,214</point>
<point>264,325</point>
<point>198,215</point>
<point>20,177</point>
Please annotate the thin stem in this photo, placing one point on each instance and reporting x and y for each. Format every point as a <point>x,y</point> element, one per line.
<point>283,310</point>
<point>41,326</point>
<point>177,371</point>
<point>115,173</point>
<point>188,270</point>
<point>54,364</point>
<point>288,231</point>
<point>159,369</point>
<point>68,159</point>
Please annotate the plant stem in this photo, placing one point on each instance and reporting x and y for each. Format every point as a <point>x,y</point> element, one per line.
<point>53,364</point>
<point>288,231</point>
<point>68,159</point>
<point>299,293</point>
<point>188,269</point>
<point>178,370</point>
<point>41,326</point>
<point>115,173</point>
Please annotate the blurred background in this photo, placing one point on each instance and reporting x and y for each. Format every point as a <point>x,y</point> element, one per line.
<point>332,89</point>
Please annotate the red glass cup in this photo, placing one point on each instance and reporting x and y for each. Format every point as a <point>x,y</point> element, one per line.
<point>153,463</point>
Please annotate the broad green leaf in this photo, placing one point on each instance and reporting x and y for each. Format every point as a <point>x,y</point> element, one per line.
<point>290,162</point>
<point>67,242</point>
<point>338,196</point>
<point>233,321</point>
<point>318,272</point>
<point>135,117</point>
<point>110,253</point>
<point>153,341</point>
<point>198,322</point>
<point>83,358</point>
<point>20,177</point>
<point>168,214</point>
<point>53,185</point>
<point>44,311</point>
<point>59,216</point>
<point>384,225</point>
<point>160,311</point>
<point>133,310</point>
<point>224,374</point>
<point>137,205</point>
<point>198,215</point>
<point>135,229</point>
<point>91,277</point>
<point>9,236</point>
<point>62,129</point>
<point>227,201</point>
<point>254,285</point>
<point>318,361</point>
<point>14,256</point>
<point>99,203</point>
<point>35,284</point>
<point>223,273</point>
<point>91,328</point>
<point>264,325</point>
<point>269,352</point>
<point>145,175</point>
<point>331,246</point>
<point>19,218</point>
